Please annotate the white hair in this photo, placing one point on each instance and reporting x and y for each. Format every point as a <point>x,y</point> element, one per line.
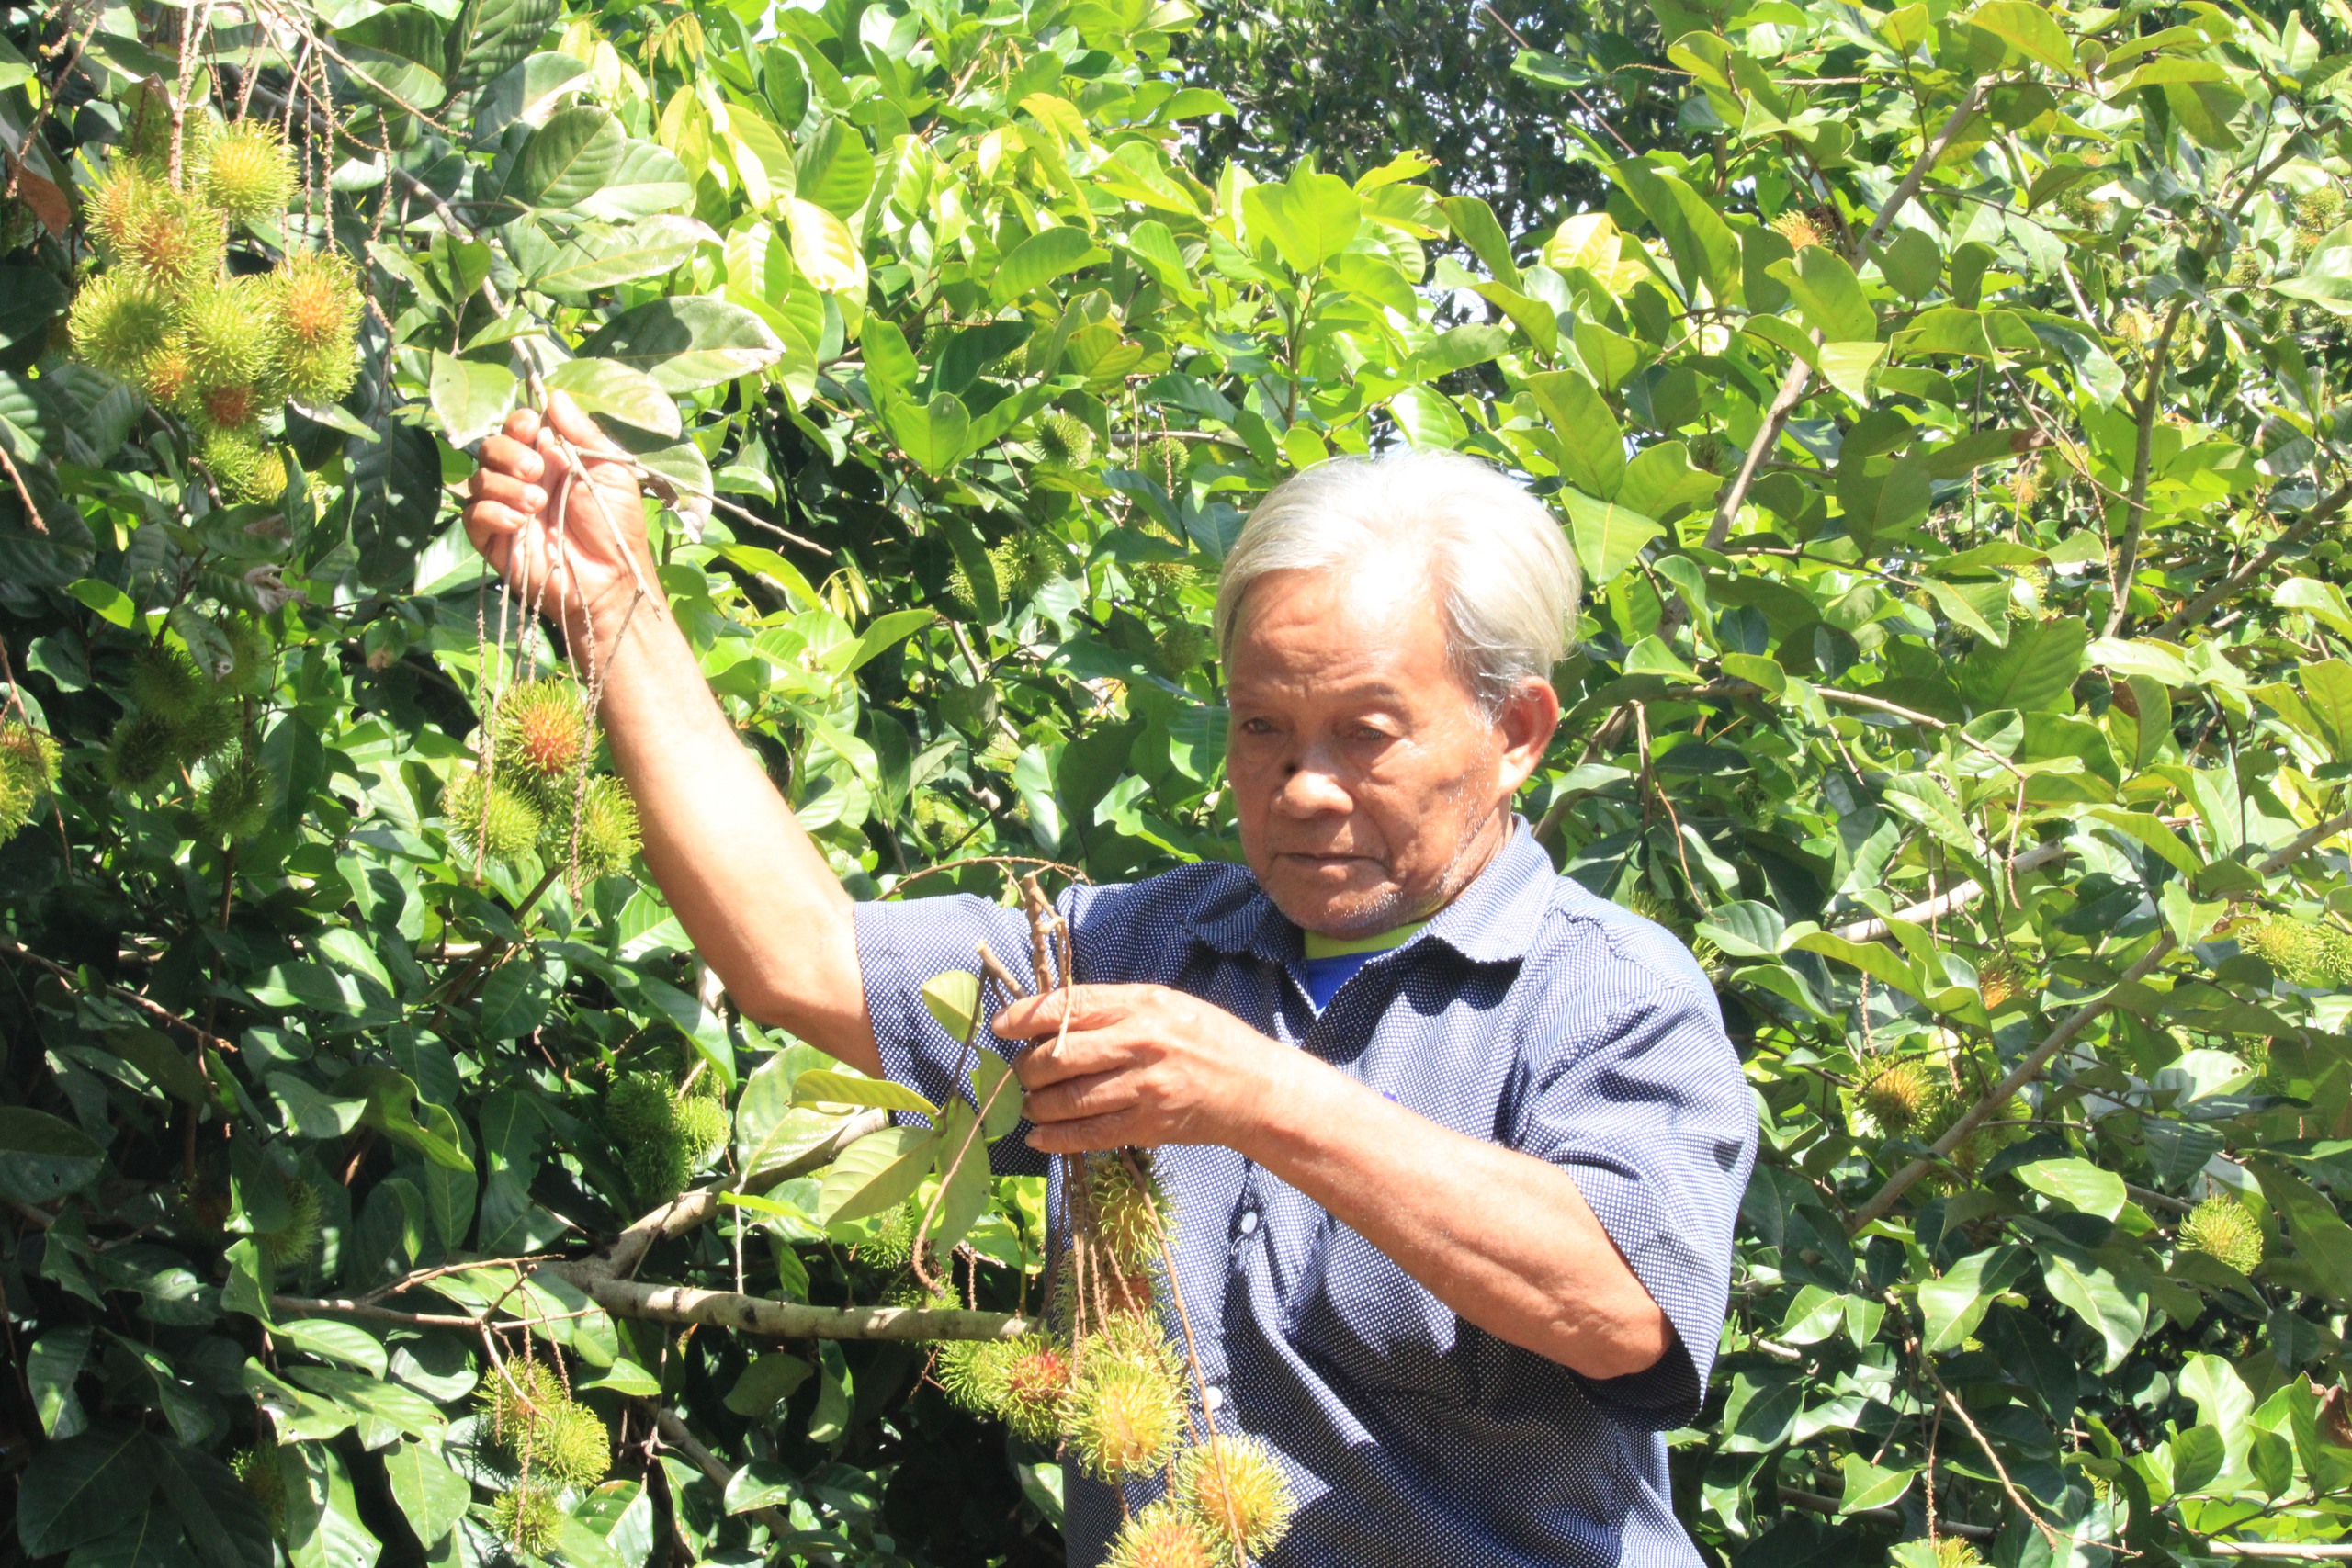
<point>1507,583</point>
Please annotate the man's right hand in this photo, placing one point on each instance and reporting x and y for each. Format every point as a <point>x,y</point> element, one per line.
<point>563,547</point>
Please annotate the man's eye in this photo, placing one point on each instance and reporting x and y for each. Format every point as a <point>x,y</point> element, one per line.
<point>1256,727</point>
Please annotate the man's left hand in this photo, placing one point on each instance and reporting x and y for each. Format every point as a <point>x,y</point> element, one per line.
<point>1138,1065</point>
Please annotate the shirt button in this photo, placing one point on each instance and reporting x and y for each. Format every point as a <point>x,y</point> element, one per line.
<point>1213,1398</point>
<point>1249,1222</point>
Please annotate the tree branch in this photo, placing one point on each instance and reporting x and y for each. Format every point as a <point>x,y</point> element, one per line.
<point>2188,614</point>
<point>1876,928</point>
<point>697,1205</point>
<point>2031,1066</point>
<point>675,1433</point>
<point>786,1320</point>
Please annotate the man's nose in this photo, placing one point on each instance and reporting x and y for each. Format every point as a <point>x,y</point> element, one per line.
<point>1311,789</point>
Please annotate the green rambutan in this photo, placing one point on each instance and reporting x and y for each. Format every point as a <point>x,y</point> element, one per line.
<point>570,1446</point>
<point>1163,459</point>
<point>17,803</point>
<point>1184,647</point>
<point>609,838</point>
<point>249,470</point>
<point>294,1241</point>
<point>119,320</point>
<point>526,1519</point>
<point>1952,1551</point>
<point>257,1474</point>
<point>27,757</point>
<point>2223,1229</point>
<point>1129,1214</point>
<point>638,1107</point>
<point>247,172</point>
<point>225,334</point>
<point>252,658</point>
<point>543,736</point>
<point>1125,1412</point>
<point>118,204</point>
<point>166,683</point>
<point>488,820</point>
<point>174,237</point>
<point>237,801</point>
<point>1234,1487</point>
<point>518,1396</point>
<point>142,750</point>
<point>893,1238</point>
<point>318,375</point>
<point>702,1128</point>
<point>1158,579</point>
<point>972,1372</point>
<point>1900,1096</point>
<point>2300,952</point>
<point>1027,561</point>
<point>2000,1128</point>
<point>315,300</point>
<point>208,729</point>
<point>1064,440</point>
<point>1162,1535</point>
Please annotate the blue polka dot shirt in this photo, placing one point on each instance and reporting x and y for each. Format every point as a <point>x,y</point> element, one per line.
<point>1529,1012</point>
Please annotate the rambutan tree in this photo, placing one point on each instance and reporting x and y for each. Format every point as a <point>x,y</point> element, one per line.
<point>1940,401</point>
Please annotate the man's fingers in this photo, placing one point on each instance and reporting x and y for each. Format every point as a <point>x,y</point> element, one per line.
<point>511,493</point>
<point>521,427</point>
<point>1031,1017</point>
<point>1113,1132</point>
<point>1097,1094</point>
<point>515,455</point>
<point>569,422</point>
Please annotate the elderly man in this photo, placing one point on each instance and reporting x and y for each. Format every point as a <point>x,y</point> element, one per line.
<point>1454,1147</point>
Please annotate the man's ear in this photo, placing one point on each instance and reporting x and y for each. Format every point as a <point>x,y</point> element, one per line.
<point>1530,714</point>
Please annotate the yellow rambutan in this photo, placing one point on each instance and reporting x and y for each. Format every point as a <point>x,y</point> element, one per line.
<point>526,1519</point>
<point>1129,1214</point>
<point>543,736</point>
<point>2223,1228</point>
<point>119,320</point>
<point>246,171</point>
<point>1234,1487</point>
<point>1125,1412</point>
<point>1036,1382</point>
<point>1162,1535</point>
<point>1900,1096</point>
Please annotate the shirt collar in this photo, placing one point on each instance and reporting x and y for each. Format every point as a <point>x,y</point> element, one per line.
<point>1493,921</point>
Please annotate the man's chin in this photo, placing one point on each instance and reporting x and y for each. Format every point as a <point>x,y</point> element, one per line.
<point>1344,913</point>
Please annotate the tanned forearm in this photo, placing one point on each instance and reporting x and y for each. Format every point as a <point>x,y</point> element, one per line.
<point>750,888</point>
<point>1504,1239</point>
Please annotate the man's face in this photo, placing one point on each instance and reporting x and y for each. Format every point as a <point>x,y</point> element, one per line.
<point>1369,784</point>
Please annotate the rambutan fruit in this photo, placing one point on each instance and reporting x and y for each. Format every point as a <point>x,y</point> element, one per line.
<point>570,1446</point>
<point>258,1475</point>
<point>225,405</point>
<point>2000,1128</point>
<point>972,1372</point>
<point>1234,1487</point>
<point>1184,647</point>
<point>165,682</point>
<point>2224,1229</point>
<point>543,736</point>
<point>174,238</point>
<point>1899,1096</point>
<point>237,801</point>
<point>608,835</point>
<point>1798,229</point>
<point>488,820</point>
<point>318,375</point>
<point>1157,578</point>
<point>1164,460</point>
<point>119,320</point>
<point>249,470</point>
<point>225,335</point>
<point>526,1519</point>
<point>208,729</point>
<point>1029,561</point>
<point>252,658</point>
<point>517,1397</point>
<point>1162,1535</point>
<point>2300,952</point>
<point>167,377</point>
<point>1952,1551</point>
<point>118,204</point>
<point>142,750</point>
<point>638,1107</point>
<point>1064,440</point>
<point>893,1239</point>
<point>293,1242</point>
<point>1996,981</point>
<point>702,1128</point>
<point>1036,1382</point>
<point>16,802</point>
<point>1129,1214</point>
<point>27,757</point>
<point>246,171</point>
<point>315,300</point>
<point>1124,1414</point>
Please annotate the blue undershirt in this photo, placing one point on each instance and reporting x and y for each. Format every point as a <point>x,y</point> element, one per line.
<point>1330,963</point>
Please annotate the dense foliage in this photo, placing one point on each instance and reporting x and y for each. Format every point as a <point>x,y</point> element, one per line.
<point>1941,402</point>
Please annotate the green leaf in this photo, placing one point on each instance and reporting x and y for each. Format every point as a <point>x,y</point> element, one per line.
<point>470,399</point>
<point>1039,259</point>
<point>1868,1486</point>
<point>1310,218</point>
<point>2034,672</point>
<point>402,1408</point>
<point>1006,1105</point>
<point>2094,1295</point>
<point>1607,537</point>
<point>336,1340</point>
<point>42,1158</point>
<point>1473,222</point>
<point>2028,28</point>
<point>878,1171</point>
<point>685,344</point>
<point>431,1495</point>
<point>767,1383</point>
<point>391,1110</point>
<point>83,1489</point>
<point>395,56</point>
<point>1953,1305</point>
<point>967,1182</point>
<point>567,160</point>
<point>819,1087</point>
<point>1828,295</point>
<point>938,435</point>
<point>1587,430</point>
<point>613,390</point>
<point>2077,1183</point>
<point>835,169</point>
<point>594,257</point>
<point>954,998</point>
<point>1705,251</point>
<point>2321,1237</point>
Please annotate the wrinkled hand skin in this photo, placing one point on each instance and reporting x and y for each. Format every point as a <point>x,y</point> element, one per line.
<point>562,546</point>
<point>1139,1066</point>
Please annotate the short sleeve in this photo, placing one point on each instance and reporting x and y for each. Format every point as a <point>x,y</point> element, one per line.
<point>900,945</point>
<point>1652,1117</point>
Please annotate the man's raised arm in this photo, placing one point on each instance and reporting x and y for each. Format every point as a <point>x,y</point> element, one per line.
<point>750,888</point>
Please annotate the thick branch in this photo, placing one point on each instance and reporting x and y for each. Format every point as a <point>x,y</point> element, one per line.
<point>787,1320</point>
<point>1817,1502</point>
<point>2031,1066</point>
<point>675,1433</point>
<point>697,1205</point>
<point>1958,893</point>
<point>2188,614</point>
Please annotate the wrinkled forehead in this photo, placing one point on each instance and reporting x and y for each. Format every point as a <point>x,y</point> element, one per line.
<point>1378,614</point>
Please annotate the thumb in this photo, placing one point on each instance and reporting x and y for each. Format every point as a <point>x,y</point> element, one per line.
<point>567,420</point>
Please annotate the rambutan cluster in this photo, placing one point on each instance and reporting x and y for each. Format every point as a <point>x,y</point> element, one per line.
<point>541,791</point>
<point>665,1134</point>
<point>221,350</point>
<point>553,1440</point>
<point>27,772</point>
